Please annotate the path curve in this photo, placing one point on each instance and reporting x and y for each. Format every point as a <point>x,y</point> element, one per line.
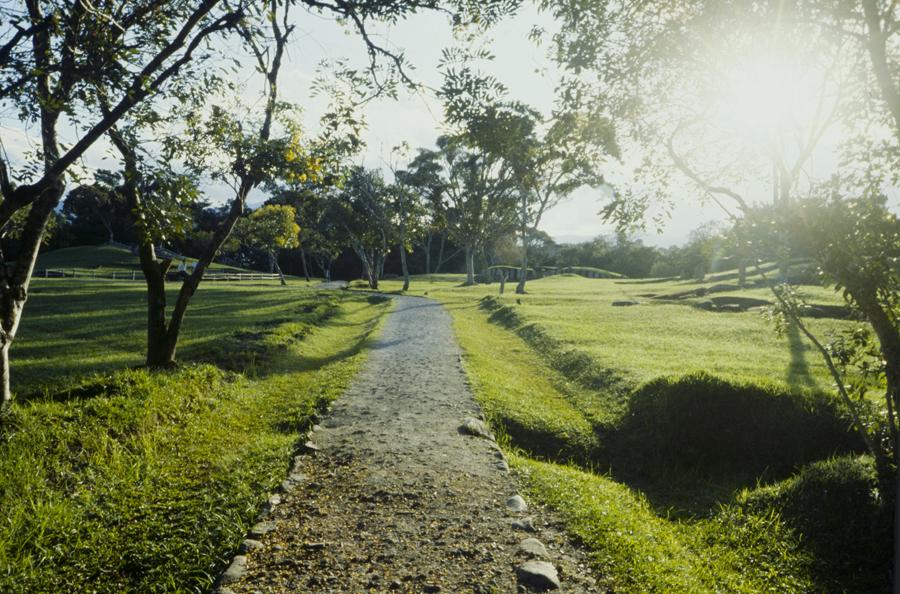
<point>395,498</point>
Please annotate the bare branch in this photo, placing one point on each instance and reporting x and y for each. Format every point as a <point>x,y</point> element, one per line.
<point>682,164</point>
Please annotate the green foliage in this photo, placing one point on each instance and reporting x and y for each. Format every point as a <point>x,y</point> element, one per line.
<point>271,227</point>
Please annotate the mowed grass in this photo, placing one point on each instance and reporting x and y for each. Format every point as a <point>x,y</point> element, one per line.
<point>575,385</point>
<point>657,337</point>
<point>123,480</point>
<point>73,326</point>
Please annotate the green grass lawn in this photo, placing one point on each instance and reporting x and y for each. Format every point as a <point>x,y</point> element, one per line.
<point>123,480</point>
<point>679,445</point>
<point>657,337</point>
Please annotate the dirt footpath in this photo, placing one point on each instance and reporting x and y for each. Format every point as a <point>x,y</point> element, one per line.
<point>392,496</point>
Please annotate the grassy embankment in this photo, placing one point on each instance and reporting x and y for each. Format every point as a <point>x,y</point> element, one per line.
<point>114,479</point>
<point>689,450</point>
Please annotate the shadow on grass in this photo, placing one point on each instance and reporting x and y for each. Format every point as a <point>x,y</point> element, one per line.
<point>798,372</point>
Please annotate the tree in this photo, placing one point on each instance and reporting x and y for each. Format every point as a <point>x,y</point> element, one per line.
<point>422,177</point>
<point>571,154</point>
<point>408,217</point>
<point>364,211</point>
<point>99,204</point>
<point>479,195</point>
<point>271,228</point>
<point>51,55</point>
<point>253,159</point>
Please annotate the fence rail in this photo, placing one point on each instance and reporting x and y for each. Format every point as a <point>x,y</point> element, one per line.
<point>136,275</point>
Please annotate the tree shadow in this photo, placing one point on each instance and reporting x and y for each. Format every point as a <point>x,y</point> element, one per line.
<point>798,372</point>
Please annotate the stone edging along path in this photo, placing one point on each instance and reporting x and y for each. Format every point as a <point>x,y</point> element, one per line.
<point>402,489</point>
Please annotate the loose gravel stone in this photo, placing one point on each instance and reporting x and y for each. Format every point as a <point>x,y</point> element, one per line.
<point>516,504</point>
<point>476,428</point>
<point>532,547</point>
<point>539,576</point>
<point>235,570</point>
<point>249,544</point>
<point>525,524</point>
<point>260,529</point>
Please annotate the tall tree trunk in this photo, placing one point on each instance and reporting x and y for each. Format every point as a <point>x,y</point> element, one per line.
<point>427,246</point>
<point>271,256</point>
<point>881,66</point>
<point>303,262</point>
<point>470,265</point>
<point>404,267</point>
<point>440,260</point>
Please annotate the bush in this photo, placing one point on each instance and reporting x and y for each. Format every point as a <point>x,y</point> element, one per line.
<point>709,426</point>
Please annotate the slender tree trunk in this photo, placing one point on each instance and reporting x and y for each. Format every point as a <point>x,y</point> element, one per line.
<point>430,236</point>
<point>523,271</point>
<point>502,282</point>
<point>440,260</point>
<point>470,265</point>
<point>404,267</point>
<point>159,351</point>
<point>271,256</point>
<point>303,262</point>
<point>278,269</point>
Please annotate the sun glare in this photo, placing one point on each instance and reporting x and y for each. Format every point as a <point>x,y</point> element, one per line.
<point>767,96</point>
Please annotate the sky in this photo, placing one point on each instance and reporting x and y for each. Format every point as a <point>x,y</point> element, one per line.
<point>415,117</point>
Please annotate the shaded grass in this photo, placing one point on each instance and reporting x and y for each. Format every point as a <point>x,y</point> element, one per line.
<point>135,481</point>
<point>638,551</point>
<point>72,327</point>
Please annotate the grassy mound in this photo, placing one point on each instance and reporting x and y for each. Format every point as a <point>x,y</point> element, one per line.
<point>706,426</point>
<point>519,395</point>
<point>696,423</point>
<point>836,501</point>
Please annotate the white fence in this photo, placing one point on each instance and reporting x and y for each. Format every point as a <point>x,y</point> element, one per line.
<point>136,275</point>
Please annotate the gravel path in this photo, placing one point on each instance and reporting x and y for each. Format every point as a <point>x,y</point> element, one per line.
<point>394,497</point>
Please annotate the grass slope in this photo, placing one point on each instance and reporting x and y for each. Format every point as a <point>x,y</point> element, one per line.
<point>134,481</point>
